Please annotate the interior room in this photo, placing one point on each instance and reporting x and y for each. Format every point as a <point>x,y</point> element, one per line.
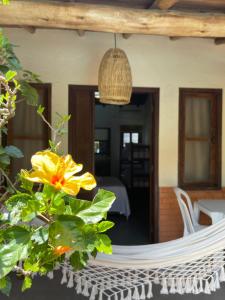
<point>122,165</point>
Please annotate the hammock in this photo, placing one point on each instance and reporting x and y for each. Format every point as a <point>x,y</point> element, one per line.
<point>192,264</point>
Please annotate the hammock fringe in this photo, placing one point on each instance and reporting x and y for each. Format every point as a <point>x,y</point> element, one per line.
<point>118,284</point>
<point>193,264</point>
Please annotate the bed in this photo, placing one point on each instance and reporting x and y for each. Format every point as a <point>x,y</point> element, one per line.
<point>113,184</point>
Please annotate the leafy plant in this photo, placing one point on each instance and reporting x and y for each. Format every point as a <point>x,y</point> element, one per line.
<point>9,62</point>
<point>44,223</point>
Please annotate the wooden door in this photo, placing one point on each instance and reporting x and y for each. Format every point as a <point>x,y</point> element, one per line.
<point>81,126</point>
<point>81,141</point>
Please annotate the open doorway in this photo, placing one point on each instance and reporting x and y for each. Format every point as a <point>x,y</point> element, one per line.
<point>120,145</point>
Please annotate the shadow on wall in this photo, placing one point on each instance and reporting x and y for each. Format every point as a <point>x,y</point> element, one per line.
<point>46,289</point>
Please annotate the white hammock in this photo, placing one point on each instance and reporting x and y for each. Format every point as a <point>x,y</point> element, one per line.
<point>193,264</point>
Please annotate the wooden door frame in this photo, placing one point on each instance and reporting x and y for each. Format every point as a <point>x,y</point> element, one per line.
<point>154,178</point>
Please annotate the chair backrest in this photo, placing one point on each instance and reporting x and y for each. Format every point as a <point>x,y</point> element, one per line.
<point>185,210</point>
<point>182,195</point>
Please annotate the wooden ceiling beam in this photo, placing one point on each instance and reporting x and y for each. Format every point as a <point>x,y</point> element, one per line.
<point>30,29</point>
<point>126,35</point>
<point>100,18</point>
<point>80,32</point>
<point>219,41</point>
<point>164,4</point>
<point>175,38</point>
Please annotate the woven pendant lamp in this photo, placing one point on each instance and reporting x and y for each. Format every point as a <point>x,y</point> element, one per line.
<point>114,78</point>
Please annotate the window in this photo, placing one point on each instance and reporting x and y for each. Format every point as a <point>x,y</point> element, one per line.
<point>130,137</point>
<point>200,138</point>
<point>27,131</point>
<point>102,141</point>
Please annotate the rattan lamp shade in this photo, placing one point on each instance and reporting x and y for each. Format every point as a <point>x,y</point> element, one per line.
<point>114,78</point>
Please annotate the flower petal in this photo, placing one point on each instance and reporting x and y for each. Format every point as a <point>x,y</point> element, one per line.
<point>87,181</point>
<point>71,187</point>
<point>71,167</point>
<point>33,176</point>
<point>45,161</point>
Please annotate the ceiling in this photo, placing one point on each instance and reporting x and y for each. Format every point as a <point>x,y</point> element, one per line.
<point>182,5</point>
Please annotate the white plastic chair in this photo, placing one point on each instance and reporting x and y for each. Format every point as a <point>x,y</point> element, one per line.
<point>191,224</point>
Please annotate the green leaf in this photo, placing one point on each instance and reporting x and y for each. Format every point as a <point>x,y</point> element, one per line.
<point>98,208</point>
<point>57,204</point>
<point>14,250</point>
<point>40,236</point>
<point>103,244</point>
<point>66,231</point>
<point>4,160</point>
<point>26,184</point>
<point>13,152</point>
<point>27,283</point>
<point>2,150</point>
<point>4,69</point>
<point>78,260</point>
<point>77,205</point>
<point>40,109</point>
<point>22,207</point>
<point>29,93</point>
<point>104,226</point>
<point>10,75</point>
<point>5,2</point>
<point>32,267</point>
<point>48,191</point>
<point>5,285</point>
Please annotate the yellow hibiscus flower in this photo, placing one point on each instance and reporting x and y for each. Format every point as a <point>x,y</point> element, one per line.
<point>50,168</point>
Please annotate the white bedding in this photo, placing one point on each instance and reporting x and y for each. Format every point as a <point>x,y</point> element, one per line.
<point>113,184</point>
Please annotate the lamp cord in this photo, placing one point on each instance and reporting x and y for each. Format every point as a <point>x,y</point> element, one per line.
<point>115,40</point>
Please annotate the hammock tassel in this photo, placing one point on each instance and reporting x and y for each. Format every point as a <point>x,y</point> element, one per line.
<point>149,294</point>
<point>200,286</point>
<point>122,295</point>
<point>195,286</point>
<point>164,290</point>
<point>100,295</point>
<point>188,287</point>
<point>217,281</point>
<point>172,288</point>
<point>212,285</point>
<point>93,292</point>
<point>180,289</point>
<point>85,291</point>
<point>222,274</point>
<point>143,296</point>
<point>50,275</point>
<point>79,286</point>
<point>136,295</point>
<point>207,288</point>
<point>64,278</point>
<point>70,282</point>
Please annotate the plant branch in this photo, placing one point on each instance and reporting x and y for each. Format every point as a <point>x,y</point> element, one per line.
<point>8,110</point>
<point>8,180</point>
<point>22,271</point>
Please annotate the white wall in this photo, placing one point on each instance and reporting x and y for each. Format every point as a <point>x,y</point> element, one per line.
<point>62,58</point>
